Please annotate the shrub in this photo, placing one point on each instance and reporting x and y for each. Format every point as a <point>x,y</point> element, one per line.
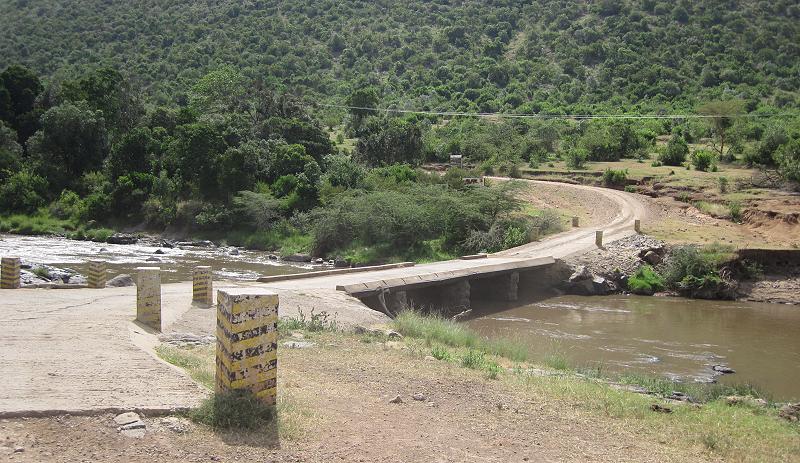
<point>723,184</point>
<point>630,189</point>
<point>575,158</point>
<point>735,209</point>
<point>613,177</point>
<point>440,353</point>
<point>645,281</point>
<point>675,153</point>
<point>473,359</point>
<point>703,160</point>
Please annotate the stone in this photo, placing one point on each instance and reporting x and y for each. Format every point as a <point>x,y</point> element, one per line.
<point>298,344</point>
<point>396,400</point>
<point>196,244</point>
<point>120,281</point>
<point>152,259</point>
<point>297,258</point>
<point>159,251</point>
<point>420,397</point>
<point>652,258</point>
<point>139,424</point>
<point>122,238</point>
<point>581,274</point>
<point>136,433</point>
<point>392,334</point>
<point>19,449</point>
<point>319,261</point>
<point>660,408</point>
<point>341,263</point>
<point>459,317</point>
<point>724,369</point>
<point>735,400</point>
<point>790,412</point>
<point>272,257</point>
<point>233,252</point>
<point>175,424</point>
<point>126,418</point>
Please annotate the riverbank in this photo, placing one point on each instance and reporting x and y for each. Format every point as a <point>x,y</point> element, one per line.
<point>348,397</point>
<point>708,272</point>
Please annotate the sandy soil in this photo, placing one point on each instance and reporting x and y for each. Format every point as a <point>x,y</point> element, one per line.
<point>338,398</point>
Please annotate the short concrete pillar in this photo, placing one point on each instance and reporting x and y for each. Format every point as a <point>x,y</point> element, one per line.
<point>637,225</point>
<point>598,238</point>
<point>9,273</point>
<point>247,342</point>
<point>202,285</point>
<point>575,222</point>
<point>148,296</point>
<point>97,274</point>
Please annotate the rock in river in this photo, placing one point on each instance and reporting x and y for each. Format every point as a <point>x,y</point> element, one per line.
<point>120,281</point>
<point>122,238</point>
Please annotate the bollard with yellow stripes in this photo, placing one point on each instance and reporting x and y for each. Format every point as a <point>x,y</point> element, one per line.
<point>202,284</point>
<point>598,238</point>
<point>9,273</point>
<point>97,274</point>
<point>148,296</point>
<point>247,342</point>
<point>637,225</point>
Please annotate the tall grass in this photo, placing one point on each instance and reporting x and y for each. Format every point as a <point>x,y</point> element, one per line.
<point>434,328</point>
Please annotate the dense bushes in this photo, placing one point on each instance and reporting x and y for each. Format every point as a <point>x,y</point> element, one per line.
<point>703,160</point>
<point>612,177</point>
<point>645,281</point>
<point>700,272</point>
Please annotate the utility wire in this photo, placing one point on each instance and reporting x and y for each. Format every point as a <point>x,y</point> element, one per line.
<point>552,116</point>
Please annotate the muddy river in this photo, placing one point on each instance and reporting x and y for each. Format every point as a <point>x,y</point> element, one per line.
<point>677,338</point>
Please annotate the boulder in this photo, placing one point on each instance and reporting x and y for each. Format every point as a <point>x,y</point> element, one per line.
<point>122,238</point>
<point>159,251</point>
<point>790,412</point>
<point>319,261</point>
<point>652,258</point>
<point>341,263</point>
<point>233,252</point>
<point>272,257</point>
<point>120,281</point>
<point>724,369</point>
<point>297,258</point>
<point>152,259</point>
<point>196,244</point>
<point>581,274</point>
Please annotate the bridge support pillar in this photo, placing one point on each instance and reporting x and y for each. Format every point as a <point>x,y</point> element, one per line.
<point>396,301</point>
<point>498,288</point>
<point>456,296</point>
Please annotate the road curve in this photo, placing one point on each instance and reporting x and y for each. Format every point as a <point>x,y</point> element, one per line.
<point>579,240</point>
<point>571,242</point>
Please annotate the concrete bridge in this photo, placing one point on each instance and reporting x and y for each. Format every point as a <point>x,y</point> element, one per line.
<point>453,284</point>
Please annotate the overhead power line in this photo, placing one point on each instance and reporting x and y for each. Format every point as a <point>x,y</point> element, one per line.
<point>553,116</point>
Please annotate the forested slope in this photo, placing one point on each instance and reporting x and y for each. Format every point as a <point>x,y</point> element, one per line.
<point>501,55</point>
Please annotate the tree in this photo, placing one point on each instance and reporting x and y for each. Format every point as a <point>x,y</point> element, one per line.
<point>788,157</point>
<point>390,141</point>
<point>132,153</point>
<point>193,157</point>
<point>721,115</point>
<point>72,141</point>
<point>19,87</point>
<point>22,192</point>
<point>360,100</point>
<point>221,90</point>
<point>107,90</point>
<point>10,152</point>
<point>242,166</point>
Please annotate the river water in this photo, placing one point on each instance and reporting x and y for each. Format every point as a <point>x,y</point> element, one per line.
<point>678,338</point>
<point>176,263</point>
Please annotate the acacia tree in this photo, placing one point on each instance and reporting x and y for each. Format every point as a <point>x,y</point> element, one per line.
<point>721,115</point>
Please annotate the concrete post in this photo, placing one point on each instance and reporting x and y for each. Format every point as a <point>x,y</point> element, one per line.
<point>97,274</point>
<point>202,284</point>
<point>247,342</point>
<point>456,296</point>
<point>575,222</point>
<point>637,225</point>
<point>148,296</point>
<point>598,238</point>
<point>9,273</point>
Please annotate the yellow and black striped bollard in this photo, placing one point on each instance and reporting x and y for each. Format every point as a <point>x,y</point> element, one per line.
<point>97,274</point>
<point>247,342</point>
<point>202,285</point>
<point>9,273</point>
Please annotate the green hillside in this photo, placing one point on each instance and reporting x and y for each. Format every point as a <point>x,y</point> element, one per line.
<point>489,56</point>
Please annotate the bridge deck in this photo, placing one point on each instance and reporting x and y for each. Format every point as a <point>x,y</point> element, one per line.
<point>424,277</point>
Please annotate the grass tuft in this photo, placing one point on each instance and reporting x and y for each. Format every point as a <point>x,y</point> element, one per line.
<point>234,410</point>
